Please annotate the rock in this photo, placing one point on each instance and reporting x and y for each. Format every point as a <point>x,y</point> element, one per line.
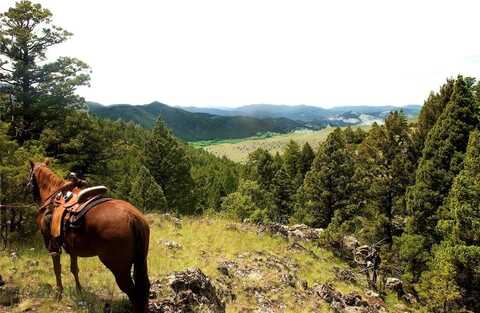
<point>295,232</point>
<point>295,246</point>
<point>277,229</point>
<point>170,244</point>
<point>350,243</point>
<point>372,294</point>
<point>191,289</point>
<point>409,298</point>
<point>176,221</point>
<point>225,267</point>
<point>350,303</point>
<point>9,295</point>
<point>344,274</point>
<point>394,284</point>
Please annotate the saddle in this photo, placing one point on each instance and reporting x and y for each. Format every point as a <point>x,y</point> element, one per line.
<point>71,207</point>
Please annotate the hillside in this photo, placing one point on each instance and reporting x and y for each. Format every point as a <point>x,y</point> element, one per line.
<point>251,269</point>
<point>308,113</point>
<point>195,126</point>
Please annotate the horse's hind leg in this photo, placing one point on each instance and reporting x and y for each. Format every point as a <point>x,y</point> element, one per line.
<point>125,283</point>
<point>74,270</point>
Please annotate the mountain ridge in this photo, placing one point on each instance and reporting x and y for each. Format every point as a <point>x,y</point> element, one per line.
<point>194,126</point>
<point>194,123</point>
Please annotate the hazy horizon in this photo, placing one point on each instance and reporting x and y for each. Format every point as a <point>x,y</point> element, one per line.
<point>276,104</point>
<point>217,53</point>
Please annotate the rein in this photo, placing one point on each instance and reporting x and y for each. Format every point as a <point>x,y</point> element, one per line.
<point>49,198</point>
<point>47,201</point>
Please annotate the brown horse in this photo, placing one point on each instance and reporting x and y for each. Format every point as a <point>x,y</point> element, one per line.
<point>115,231</point>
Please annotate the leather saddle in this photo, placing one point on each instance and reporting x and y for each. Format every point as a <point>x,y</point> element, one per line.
<point>71,207</point>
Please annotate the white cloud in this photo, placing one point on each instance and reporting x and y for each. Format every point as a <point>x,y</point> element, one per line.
<point>228,53</point>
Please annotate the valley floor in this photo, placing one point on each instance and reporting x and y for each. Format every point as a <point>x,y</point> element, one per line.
<point>269,273</point>
<point>238,151</point>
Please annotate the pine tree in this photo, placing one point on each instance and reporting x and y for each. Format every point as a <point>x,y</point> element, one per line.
<point>168,163</point>
<point>292,164</point>
<point>261,168</point>
<point>146,194</point>
<point>282,191</point>
<point>457,258</point>
<point>431,111</point>
<point>43,93</point>
<point>461,218</point>
<point>249,201</point>
<point>387,160</point>
<point>441,161</point>
<point>306,159</point>
<point>327,186</point>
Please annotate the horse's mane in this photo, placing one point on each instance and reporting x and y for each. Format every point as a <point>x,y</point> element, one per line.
<point>46,179</point>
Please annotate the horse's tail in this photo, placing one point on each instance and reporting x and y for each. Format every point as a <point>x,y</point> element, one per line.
<point>141,233</point>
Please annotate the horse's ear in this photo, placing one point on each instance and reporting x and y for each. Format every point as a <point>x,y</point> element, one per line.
<point>47,161</point>
<point>32,164</point>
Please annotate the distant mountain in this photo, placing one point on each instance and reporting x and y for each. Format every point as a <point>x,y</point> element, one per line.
<point>307,113</point>
<point>194,123</point>
<point>192,126</point>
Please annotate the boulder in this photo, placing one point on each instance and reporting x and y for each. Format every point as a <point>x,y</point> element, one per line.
<point>349,303</point>
<point>350,243</point>
<point>296,232</point>
<point>190,289</point>
<point>395,285</point>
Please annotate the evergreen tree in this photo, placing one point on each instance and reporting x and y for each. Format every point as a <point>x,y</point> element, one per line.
<point>261,168</point>
<point>306,159</point>
<point>431,111</point>
<point>385,168</point>
<point>214,178</point>
<point>441,161</point>
<point>454,268</point>
<point>282,191</point>
<point>250,201</point>
<point>292,159</point>
<point>146,194</point>
<point>327,186</point>
<point>43,93</point>
<point>168,163</point>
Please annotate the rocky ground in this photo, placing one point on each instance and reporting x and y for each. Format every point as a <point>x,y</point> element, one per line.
<point>213,265</point>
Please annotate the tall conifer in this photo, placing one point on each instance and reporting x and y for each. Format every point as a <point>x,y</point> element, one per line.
<point>168,163</point>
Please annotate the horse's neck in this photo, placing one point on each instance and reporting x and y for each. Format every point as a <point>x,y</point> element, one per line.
<point>48,183</point>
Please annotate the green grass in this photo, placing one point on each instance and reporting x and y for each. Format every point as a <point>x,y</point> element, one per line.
<point>205,243</point>
<point>239,149</point>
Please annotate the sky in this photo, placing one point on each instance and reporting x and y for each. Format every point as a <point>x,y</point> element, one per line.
<point>223,53</point>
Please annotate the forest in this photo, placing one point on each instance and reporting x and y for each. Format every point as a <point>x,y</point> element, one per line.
<point>414,186</point>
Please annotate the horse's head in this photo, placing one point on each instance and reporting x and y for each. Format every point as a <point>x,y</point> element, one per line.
<point>32,182</point>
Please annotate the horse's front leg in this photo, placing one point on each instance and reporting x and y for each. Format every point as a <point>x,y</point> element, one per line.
<point>74,270</point>
<point>57,267</point>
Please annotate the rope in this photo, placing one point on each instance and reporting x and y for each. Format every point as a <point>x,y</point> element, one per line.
<point>8,206</point>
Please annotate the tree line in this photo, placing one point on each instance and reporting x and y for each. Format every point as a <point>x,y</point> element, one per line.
<point>414,186</point>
